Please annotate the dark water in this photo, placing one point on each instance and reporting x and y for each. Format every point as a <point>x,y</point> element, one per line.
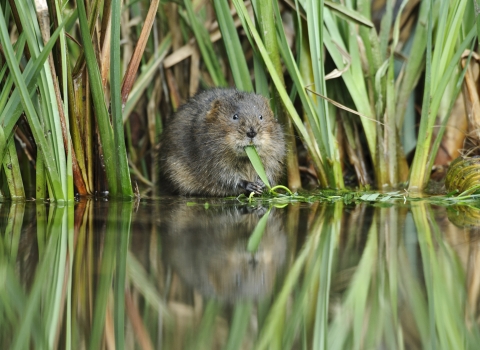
<point>211,274</point>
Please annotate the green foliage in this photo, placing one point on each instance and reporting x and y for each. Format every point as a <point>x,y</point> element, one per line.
<point>330,68</point>
<point>257,164</point>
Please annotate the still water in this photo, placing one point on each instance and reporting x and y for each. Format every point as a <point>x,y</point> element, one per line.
<point>208,274</point>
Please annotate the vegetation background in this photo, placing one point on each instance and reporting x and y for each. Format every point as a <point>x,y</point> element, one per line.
<point>85,89</point>
<point>366,90</point>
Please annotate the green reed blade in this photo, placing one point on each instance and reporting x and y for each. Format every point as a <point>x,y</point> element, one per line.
<point>103,119</point>
<point>124,186</point>
<point>235,53</point>
<point>13,109</point>
<point>328,244</point>
<point>249,26</point>
<point>44,149</point>
<point>419,175</point>
<point>139,278</point>
<point>257,234</point>
<point>348,14</point>
<point>123,236</point>
<point>53,298</point>
<point>3,144</point>
<point>275,316</point>
<point>105,278</point>
<point>240,321</point>
<point>257,164</point>
<point>12,170</point>
<point>204,338</point>
<point>6,92</point>
<point>206,47</point>
<point>33,304</point>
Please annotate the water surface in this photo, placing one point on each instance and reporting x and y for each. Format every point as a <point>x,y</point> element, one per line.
<point>182,273</point>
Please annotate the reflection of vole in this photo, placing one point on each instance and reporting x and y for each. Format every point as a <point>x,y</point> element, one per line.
<point>207,248</point>
<point>202,147</point>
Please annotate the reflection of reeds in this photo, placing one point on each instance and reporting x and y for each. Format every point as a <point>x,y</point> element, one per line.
<point>362,277</point>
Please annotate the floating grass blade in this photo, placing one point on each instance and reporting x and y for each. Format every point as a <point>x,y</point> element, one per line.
<point>257,164</point>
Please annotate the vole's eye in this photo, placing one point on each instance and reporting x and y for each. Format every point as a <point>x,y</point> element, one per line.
<point>260,117</point>
<point>235,117</point>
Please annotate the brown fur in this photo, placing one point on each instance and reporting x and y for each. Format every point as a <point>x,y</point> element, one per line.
<point>202,148</point>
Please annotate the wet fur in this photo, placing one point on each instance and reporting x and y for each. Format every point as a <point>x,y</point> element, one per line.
<point>202,148</point>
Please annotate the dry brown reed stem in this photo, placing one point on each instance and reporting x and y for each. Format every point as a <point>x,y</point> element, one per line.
<point>139,329</point>
<point>472,96</point>
<point>105,53</point>
<point>173,89</point>
<point>109,334</point>
<point>44,22</point>
<point>181,53</point>
<point>130,74</point>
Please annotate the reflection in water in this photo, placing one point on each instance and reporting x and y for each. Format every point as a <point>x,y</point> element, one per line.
<point>174,275</point>
<point>208,249</point>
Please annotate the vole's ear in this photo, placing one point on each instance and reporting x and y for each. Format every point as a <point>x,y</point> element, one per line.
<point>214,110</point>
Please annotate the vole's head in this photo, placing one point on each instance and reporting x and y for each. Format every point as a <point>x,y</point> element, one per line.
<point>246,119</point>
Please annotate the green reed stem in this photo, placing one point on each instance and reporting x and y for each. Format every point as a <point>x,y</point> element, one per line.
<point>235,53</point>
<point>206,47</point>
<point>124,186</point>
<point>44,148</point>
<point>12,171</point>
<point>123,236</point>
<point>103,119</point>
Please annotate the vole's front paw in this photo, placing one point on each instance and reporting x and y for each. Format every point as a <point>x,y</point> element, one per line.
<point>255,187</point>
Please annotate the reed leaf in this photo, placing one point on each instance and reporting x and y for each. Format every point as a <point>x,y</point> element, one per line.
<point>233,47</point>
<point>257,234</point>
<point>435,87</point>
<point>13,109</point>
<point>106,272</point>
<point>45,150</point>
<point>205,45</point>
<point>123,237</point>
<point>257,164</point>
<point>28,322</point>
<point>124,186</point>
<point>248,25</point>
<point>241,315</point>
<point>103,119</point>
<point>12,170</point>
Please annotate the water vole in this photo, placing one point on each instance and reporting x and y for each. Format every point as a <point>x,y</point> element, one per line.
<point>202,147</point>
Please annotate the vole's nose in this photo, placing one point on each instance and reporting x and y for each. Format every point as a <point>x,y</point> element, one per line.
<point>251,133</point>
